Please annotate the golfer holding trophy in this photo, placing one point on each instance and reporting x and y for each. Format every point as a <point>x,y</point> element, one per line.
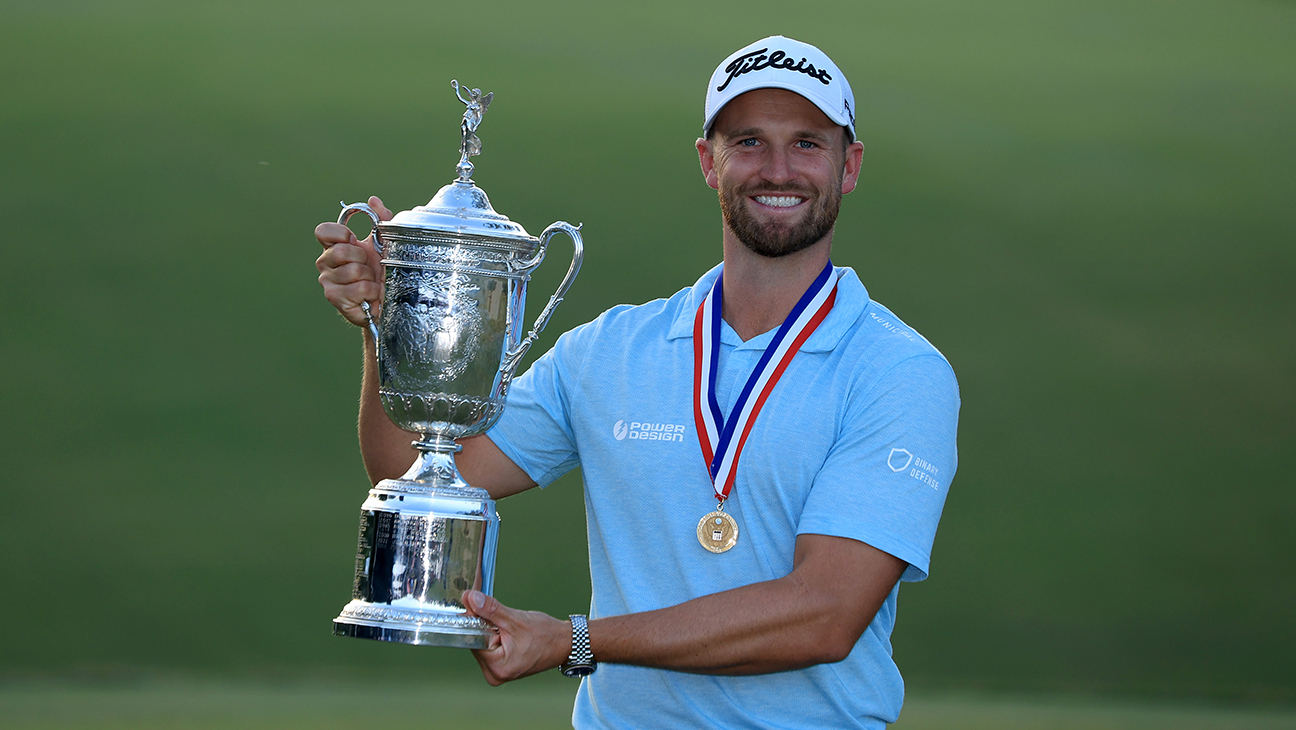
<point>765,454</point>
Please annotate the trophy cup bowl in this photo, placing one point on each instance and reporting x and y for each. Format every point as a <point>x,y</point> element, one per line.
<point>448,339</point>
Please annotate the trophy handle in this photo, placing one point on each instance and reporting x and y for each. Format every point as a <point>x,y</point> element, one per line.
<point>350,210</point>
<point>347,212</point>
<point>514,356</point>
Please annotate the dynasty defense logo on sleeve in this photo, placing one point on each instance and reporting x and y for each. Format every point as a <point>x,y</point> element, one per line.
<point>646,431</point>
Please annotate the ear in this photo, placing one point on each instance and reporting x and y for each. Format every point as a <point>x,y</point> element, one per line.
<point>706,158</point>
<point>851,173</point>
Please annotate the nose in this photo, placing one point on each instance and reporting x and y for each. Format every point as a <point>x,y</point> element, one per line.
<point>779,167</point>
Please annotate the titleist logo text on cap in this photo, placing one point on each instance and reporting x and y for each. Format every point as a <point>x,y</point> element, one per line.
<point>757,60</point>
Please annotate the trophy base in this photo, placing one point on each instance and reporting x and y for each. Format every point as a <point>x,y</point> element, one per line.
<point>424,539</point>
<point>361,620</point>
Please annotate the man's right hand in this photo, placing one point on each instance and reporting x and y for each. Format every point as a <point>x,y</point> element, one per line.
<point>351,271</point>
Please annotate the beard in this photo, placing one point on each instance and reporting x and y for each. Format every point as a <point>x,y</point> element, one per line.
<point>775,239</point>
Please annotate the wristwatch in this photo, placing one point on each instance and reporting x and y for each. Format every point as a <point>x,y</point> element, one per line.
<point>580,662</point>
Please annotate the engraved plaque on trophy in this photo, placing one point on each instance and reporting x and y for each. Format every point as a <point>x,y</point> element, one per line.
<point>448,338</point>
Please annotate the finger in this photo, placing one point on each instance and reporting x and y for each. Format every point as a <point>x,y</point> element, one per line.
<point>376,203</point>
<point>355,315</point>
<point>329,234</point>
<point>337,264</point>
<point>340,254</point>
<point>349,297</point>
<point>486,660</point>
<point>493,659</point>
<point>346,275</point>
<point>349,290</point>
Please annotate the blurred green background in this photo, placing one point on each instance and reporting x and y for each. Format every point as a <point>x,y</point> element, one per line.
<point>1086,205</point>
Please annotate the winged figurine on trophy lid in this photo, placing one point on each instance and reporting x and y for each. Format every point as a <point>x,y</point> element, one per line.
<point>472,118</point>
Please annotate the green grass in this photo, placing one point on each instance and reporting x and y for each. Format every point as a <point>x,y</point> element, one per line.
<point>971,712</point>
<point>1085,205</point>
<point>532,704</point>
<point>212,706</point>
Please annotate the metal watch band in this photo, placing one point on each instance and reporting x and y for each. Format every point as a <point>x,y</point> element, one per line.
<point>580,662</point>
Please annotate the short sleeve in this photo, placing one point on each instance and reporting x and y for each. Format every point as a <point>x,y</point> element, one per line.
<point>885,480</point>
<point>535,431</point>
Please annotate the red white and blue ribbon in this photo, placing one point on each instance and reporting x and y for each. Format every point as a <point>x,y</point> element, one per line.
<point>722,439</point>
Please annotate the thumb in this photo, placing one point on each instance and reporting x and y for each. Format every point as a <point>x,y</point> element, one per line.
<point>480,604</point>
<point>376,203</point>
<point>487,607</point>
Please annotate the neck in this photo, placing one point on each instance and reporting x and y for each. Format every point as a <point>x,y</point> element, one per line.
<point>760,292</point>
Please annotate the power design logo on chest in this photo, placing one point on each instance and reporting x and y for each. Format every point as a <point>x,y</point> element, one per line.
<point>646,431</point>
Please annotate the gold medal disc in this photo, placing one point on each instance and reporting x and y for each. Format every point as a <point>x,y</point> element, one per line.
<point>717,531</point>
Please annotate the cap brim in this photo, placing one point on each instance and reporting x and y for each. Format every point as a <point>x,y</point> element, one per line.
<point>824,105</point>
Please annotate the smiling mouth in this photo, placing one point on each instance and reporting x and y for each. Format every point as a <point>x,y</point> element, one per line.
<point>779,201</point>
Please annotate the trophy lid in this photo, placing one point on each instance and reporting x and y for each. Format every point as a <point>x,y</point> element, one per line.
<point>461,207</point>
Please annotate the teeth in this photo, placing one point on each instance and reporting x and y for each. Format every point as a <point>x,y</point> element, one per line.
<point>778,201</point>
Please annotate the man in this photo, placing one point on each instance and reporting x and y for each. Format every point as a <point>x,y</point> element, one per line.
<point>810,429</point>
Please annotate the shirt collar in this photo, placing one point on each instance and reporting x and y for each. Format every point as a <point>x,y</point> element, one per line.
<point>852,299</point>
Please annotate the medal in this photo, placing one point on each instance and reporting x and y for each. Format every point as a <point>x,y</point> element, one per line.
<point>718,531</point>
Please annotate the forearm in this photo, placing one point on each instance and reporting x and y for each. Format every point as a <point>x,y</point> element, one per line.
<point>764,627</point>
<point>813,615</point>
<point>384,447</point>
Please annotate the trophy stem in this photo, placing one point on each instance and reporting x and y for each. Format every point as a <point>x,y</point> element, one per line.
<point>435,466</point>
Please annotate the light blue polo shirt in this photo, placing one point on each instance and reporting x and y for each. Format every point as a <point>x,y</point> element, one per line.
<point>856,440</point>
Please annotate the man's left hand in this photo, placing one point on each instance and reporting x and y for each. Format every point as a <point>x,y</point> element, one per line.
<point>528,641</point>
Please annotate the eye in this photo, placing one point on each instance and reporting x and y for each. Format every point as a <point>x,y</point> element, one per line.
<point>806,144</point>
<point>749,142</point>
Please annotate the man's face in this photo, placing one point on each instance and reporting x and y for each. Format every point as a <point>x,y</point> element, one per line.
<point>780,168</point>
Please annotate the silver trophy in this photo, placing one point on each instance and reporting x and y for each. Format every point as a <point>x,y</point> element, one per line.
<point>448,338</point>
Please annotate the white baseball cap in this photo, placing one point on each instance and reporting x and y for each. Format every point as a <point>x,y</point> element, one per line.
<point>782,63</point>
